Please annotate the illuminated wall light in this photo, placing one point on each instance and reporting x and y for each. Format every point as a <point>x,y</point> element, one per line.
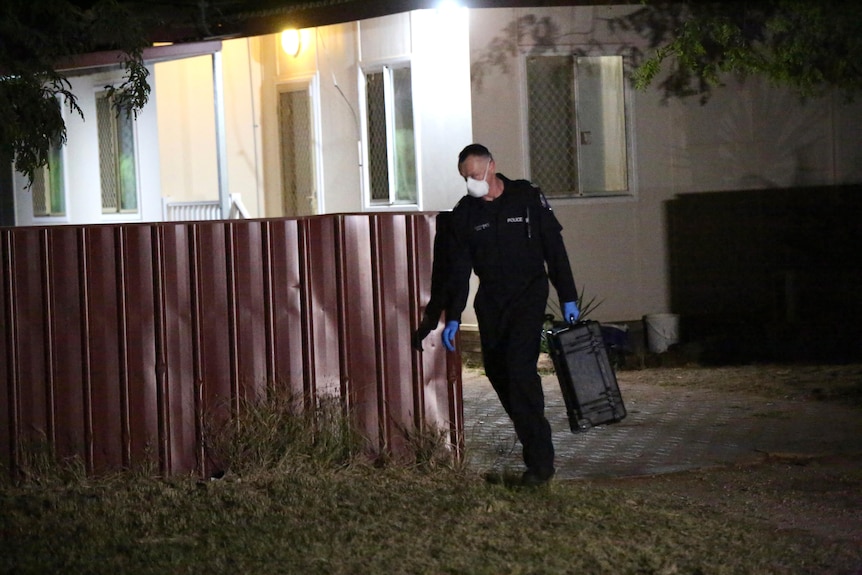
<point>291,42</point>
<point>448,6</point>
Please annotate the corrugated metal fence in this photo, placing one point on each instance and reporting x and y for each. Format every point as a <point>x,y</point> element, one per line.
<point>119,340</point>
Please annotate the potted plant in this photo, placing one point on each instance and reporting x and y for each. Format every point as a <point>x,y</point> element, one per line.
<point>555,317</point>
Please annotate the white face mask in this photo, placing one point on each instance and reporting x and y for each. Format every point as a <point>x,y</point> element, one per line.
<point>479,188</point>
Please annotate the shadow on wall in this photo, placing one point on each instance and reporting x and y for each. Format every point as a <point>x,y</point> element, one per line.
<point>536,34</point>
<point>768,275</point>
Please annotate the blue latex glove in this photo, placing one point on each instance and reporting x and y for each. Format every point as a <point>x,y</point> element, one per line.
<point>571,312</point>
<point>449,334</point>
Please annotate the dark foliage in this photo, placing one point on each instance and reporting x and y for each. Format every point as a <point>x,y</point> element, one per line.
<point>812,47</point>
<point>35,38</point>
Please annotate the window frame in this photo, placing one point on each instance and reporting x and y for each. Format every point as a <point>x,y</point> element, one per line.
<point>53,215</point>
<point>578,196</point>
<point>24,187</point>
<point>119,213</point>
<point>387,67</point>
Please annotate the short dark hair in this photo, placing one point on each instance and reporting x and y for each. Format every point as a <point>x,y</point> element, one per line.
<point>474,150</point>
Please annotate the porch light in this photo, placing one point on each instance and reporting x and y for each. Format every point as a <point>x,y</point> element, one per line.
<point>291,42</point>
<point>448,6</point>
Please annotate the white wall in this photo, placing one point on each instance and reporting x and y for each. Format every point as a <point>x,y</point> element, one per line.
<point>337,70</point>
<point>331,58</point>
<point>441,93</point>
<point>436,43</point>
<point>187,126</point>
<point>326,64</point>
<point>241,88</point>
<point>177,133</point>
<point>184,89</point>
<point>81,157</point>
<point>747,136</point>
<point>607,239</point>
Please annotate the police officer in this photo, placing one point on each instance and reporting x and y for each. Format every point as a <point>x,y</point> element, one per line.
<point>505,231</point>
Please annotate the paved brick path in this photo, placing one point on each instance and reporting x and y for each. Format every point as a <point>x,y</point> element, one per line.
<point>667,429</point>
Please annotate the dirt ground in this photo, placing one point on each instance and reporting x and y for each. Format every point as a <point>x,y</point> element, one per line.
<point>818,494</point>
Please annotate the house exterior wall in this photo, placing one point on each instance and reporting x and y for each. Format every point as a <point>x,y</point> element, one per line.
<point>331,61</point>
<point>748,136</point>
<point>326,66</point>
<point>184,89</point>
<point>81,162</point>
<point>177,138</point>
<point>187,143</point>
<point>442,96</point>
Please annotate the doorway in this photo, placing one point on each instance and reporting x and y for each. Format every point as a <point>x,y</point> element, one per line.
<point>296,138</point>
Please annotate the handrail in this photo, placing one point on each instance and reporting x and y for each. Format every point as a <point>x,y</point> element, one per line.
<point>202,210</point>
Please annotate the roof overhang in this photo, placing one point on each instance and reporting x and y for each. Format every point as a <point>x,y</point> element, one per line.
<point>235,18</point>
<point>183,33</point>
<point>86,63</point>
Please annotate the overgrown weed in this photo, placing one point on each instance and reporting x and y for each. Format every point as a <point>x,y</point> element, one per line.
<point>281,432</point>
<point>428,448</point>
<point>39,466</point>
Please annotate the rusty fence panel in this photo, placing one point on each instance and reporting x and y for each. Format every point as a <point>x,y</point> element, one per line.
<point>119,343</point>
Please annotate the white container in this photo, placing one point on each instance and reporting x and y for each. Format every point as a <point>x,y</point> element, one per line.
<point>662,331</point>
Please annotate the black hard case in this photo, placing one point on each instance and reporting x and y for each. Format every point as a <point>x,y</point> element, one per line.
<point>587,380</point>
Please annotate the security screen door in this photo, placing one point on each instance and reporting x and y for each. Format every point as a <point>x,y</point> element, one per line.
<point>299,197</point>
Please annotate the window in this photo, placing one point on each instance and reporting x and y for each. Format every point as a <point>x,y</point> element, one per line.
<point>48,189</point>
<point>117,159</point>
<point>577,129</point>
<point>389,137</point>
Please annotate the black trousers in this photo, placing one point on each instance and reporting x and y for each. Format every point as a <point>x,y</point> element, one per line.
<point>511,341</point>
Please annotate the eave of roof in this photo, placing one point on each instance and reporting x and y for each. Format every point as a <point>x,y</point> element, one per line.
<point>238,18</point>
<point>85,63</point>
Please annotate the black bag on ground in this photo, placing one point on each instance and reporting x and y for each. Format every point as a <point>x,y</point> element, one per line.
<point>587,380</point>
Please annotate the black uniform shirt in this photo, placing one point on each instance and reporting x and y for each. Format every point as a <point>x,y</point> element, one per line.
<point>508,242</point>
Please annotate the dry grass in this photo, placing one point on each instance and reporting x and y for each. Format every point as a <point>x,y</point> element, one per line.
<point>299,498</point>
<point>841,383</point>
<point>367,520</point>
<point>281,432</point>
